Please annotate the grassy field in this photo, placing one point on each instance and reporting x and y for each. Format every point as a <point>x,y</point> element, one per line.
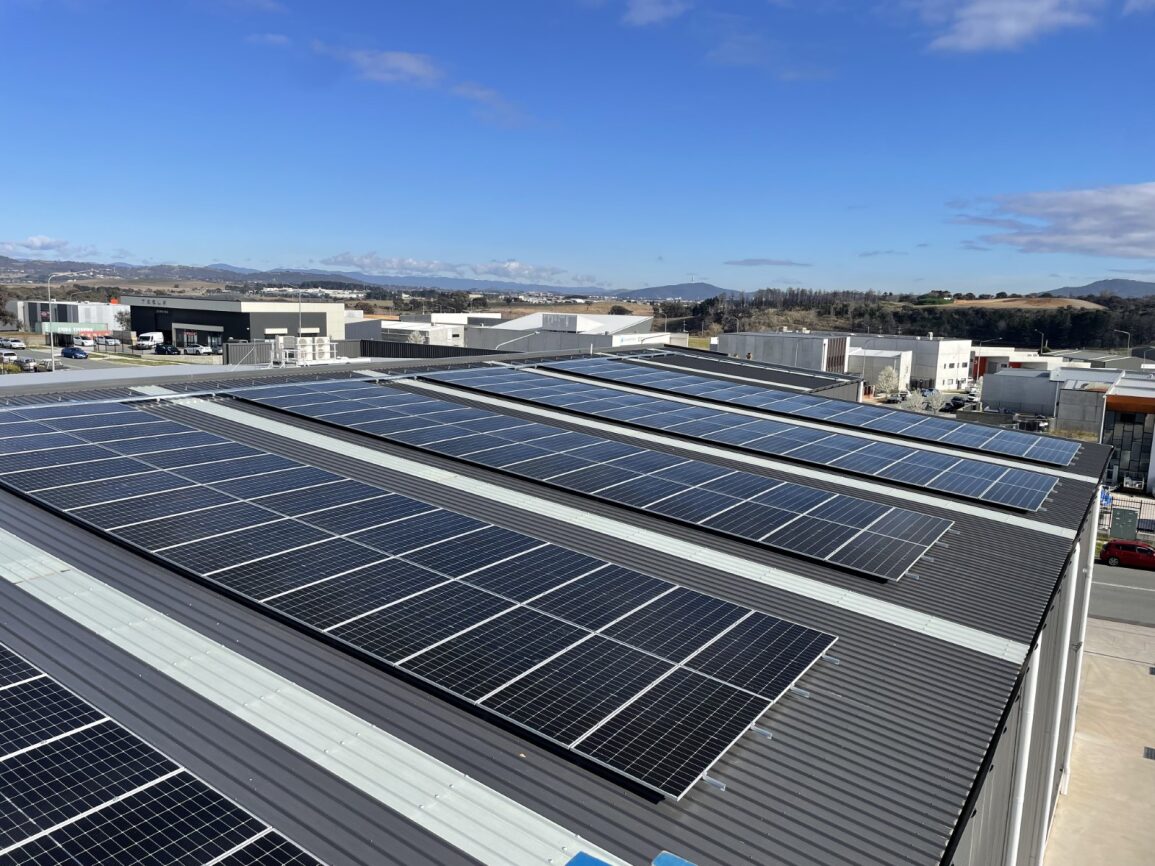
<point>1032,304</point>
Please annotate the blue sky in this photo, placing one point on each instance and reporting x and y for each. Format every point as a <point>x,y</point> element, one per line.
<point>898,145</point>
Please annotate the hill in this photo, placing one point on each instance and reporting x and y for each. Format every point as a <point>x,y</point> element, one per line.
<point>680,292</point>
<point>1119,288</point>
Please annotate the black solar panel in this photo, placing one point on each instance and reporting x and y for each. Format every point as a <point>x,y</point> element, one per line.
<point>471,608</point>
<point>79,788</point>
<point>901,463</point>
<point>1059,452</point>
<point>688,491</point>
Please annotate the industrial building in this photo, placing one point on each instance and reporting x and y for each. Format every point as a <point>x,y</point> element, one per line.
<point>936,363</point>
<point>824,352</point>
<point>213,321</point>
<point>566,332</point>
<point>1102,404</point>
<point>78,318</point>
<point>549,609</point>
<point>869,364</point>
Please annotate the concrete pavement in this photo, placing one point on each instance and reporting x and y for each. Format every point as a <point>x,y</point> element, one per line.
<point>1124,595</point>
<point>1106,816</point>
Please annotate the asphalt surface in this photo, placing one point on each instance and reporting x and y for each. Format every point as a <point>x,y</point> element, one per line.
<point>98,360</point>
<point>1123,595</point>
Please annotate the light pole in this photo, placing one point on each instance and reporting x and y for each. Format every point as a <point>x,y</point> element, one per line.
<point>1042,339</point>
<point>48,336</point>
<point>1128,333</point>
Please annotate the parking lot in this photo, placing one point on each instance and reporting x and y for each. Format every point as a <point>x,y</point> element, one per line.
<point>118,358</point>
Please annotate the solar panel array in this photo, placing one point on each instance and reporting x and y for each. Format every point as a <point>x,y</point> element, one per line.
<point>868,537</point>
<point>958,434</point>
<point>974,479</point>
<point>650,679</point>
<point>77,788</point>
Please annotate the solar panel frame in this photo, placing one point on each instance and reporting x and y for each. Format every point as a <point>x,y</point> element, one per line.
<point>894,421</point>
<point>381,601</point>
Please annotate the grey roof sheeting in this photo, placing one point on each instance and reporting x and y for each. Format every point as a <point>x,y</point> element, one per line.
<point>758,372</point>
<point>874,767</point>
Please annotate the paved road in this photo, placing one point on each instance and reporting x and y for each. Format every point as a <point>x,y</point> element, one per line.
<point>1123,595</point>
<point>96,360</point>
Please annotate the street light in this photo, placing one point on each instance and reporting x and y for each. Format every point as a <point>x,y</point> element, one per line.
<point>48,338</point>
<point>1128,333</point>
<point>1042,339</point>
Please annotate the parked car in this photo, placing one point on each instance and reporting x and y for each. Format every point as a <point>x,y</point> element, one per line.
<point>74,352</point>
<point>107,341</point>
<point>83,342</point>
<point>197,349</point>
<point>165,349</point>
<point>1133,553</point>
<point>30,365</point>
<point>7,357</point>
<point>14,343</point>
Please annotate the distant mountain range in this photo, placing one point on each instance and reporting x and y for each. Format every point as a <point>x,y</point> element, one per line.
<point>1119,288</point>
<point>28,270</point>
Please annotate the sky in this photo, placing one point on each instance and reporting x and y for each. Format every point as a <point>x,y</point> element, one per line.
<point>894,145</point>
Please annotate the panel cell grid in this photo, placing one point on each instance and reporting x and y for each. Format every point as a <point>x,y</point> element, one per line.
<point>477,610</point>
<point>857,454</point>
<point>702,494</point>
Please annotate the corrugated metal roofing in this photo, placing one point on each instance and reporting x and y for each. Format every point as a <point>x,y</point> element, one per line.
<point>872,768</point>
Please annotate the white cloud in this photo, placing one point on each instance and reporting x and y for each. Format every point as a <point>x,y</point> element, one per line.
<point>512,269</point>
<point>1133,6</point>
<point>509,269</point>
<point>1000,25</point>
<point>421,70</point>
<point>44,247</point>
<point>275,40</point>
<point>639,13</point>
<point>767,263</point>
<point>374,264</point>
<point>40,243</point>
<point>1103,221</point>
<point>387,67</point>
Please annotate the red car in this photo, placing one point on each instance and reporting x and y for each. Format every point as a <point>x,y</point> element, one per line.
<point>1133,553</point>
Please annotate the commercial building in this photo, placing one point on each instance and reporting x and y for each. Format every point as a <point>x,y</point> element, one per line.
<point>566,332</point>
<point>483,613</point>
<point>68,317</point>
<point>213,321</point>
<point>935,362</point>
<point>869,364</point>
<point>803,349</point>
<point>1115,407</point>
<point>992,359</point>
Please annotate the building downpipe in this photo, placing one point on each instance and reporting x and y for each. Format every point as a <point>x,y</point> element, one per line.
<point>1022,759</point>
<point>1061,698</point>
<point>1090,539</point>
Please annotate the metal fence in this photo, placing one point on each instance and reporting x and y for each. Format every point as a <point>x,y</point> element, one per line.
<point>391,349</point>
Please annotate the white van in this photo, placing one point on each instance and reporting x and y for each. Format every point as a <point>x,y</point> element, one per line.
<point>148,340</point>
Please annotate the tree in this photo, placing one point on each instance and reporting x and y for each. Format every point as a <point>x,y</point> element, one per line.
<point>124,320</point>
<point>619,310</point>
<point>913,402</point>
<point>887,382</point>
<point>935,400</point>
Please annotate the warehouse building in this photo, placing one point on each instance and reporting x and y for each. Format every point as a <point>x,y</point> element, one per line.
<point>213,321</point>
<point>824,352</point>
<point>571,609</point>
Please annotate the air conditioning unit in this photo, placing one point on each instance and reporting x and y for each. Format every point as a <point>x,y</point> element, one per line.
<point>1133,483</point>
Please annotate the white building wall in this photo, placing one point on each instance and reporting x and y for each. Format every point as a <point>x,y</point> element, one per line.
<point>935,362</point>
<point>806,351</point>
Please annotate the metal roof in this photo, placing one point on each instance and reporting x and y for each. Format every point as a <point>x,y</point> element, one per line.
<point>873,766</point>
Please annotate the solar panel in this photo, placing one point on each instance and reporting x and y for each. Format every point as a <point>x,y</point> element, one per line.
<point>899,463</point>
<point>1058,452</point>
<point>79,788</point>
<point>489,615</point>
<point>688,491</point>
